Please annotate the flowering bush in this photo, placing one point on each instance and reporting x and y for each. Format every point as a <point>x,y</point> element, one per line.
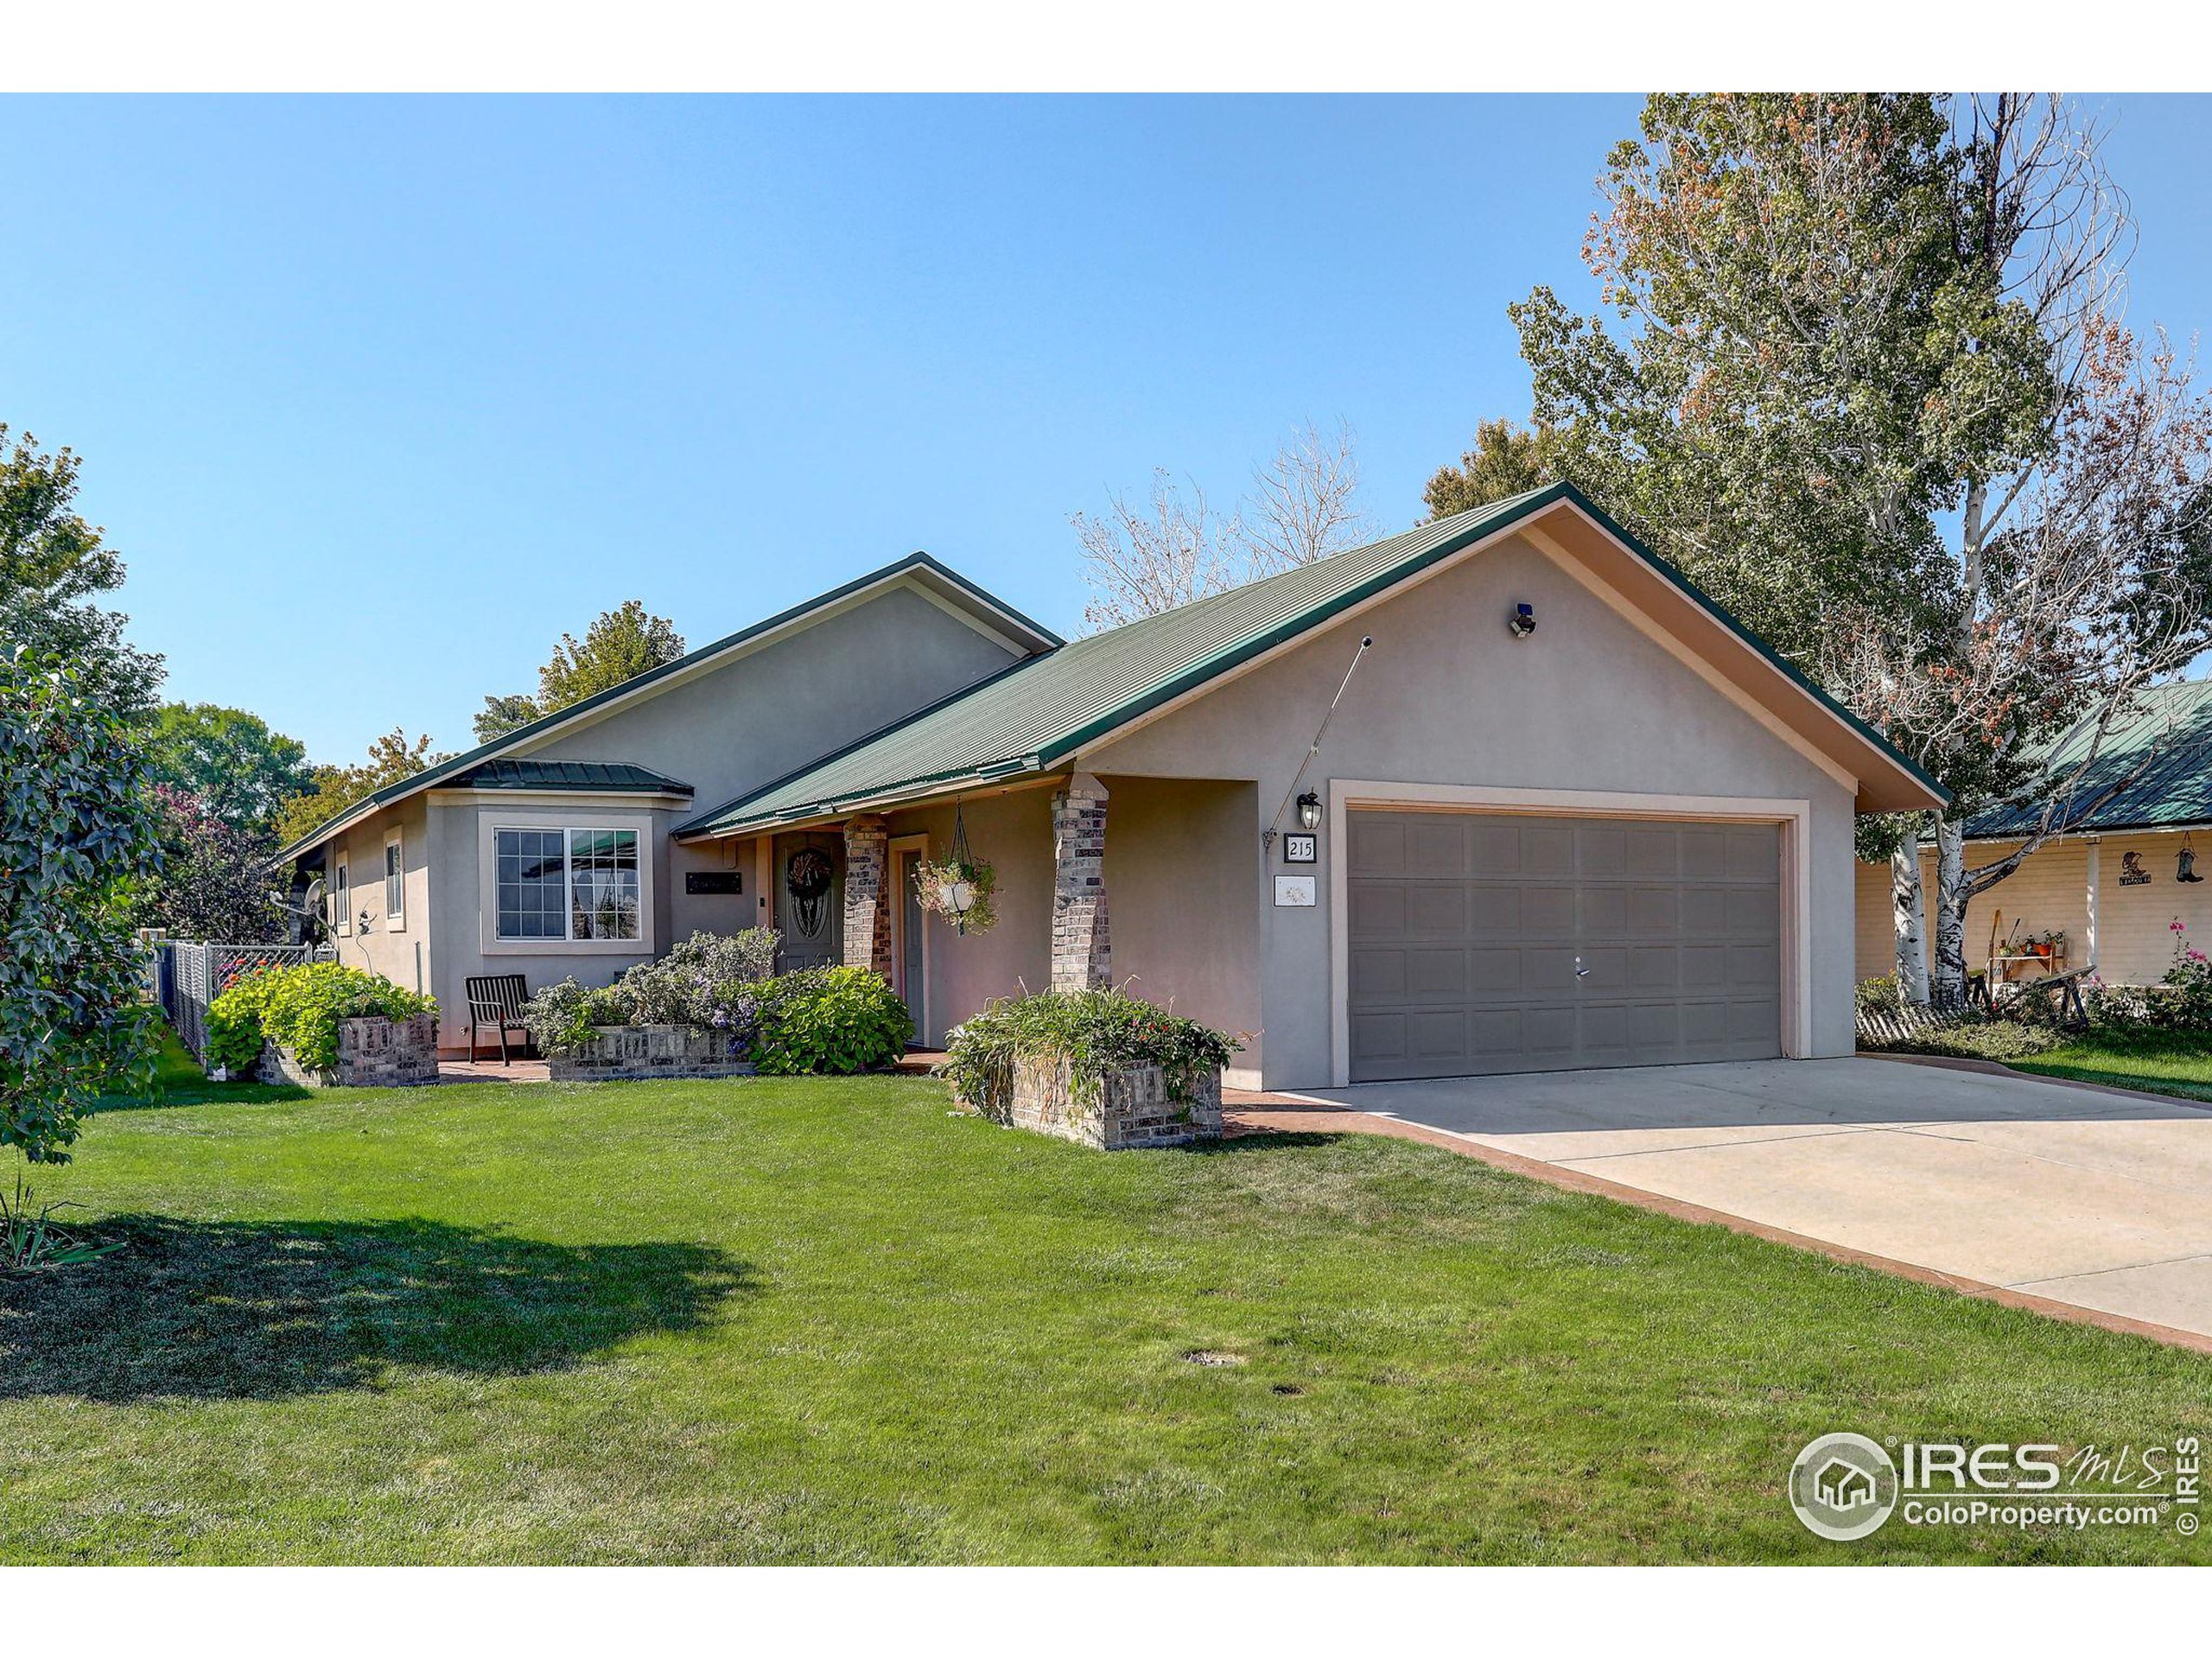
<point>1096,1032</point>
<point>711,980</point>
<point>299,1007</point>
<point>2190,981</point>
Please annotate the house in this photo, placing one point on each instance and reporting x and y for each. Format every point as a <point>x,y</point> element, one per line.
<point>2116,877</point>
<point>1565,812</point>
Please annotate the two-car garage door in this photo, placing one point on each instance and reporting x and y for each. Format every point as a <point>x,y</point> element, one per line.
<point>1489,942</point>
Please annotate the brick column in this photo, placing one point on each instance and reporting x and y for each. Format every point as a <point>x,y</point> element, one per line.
<point>1083,957</point>
<point>868,897</point>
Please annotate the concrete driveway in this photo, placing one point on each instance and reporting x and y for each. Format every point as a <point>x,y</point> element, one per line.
<point>2099,1200</point>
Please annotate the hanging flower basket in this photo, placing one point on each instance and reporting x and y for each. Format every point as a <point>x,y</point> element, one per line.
<point>960,888</point>
<point>960,891</point>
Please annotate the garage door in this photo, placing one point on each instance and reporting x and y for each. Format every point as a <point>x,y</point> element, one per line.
<point>1492,942</point>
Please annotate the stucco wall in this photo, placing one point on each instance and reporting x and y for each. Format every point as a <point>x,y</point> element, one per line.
<point>1013,832</point>
<point>1446,696</point>
<point>402,952</point>
<point>773,710</point>
<point>454,835</point>
<point>2050,891</point>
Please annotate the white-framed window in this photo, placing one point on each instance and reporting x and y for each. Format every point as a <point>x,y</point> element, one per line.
<point>395,880</point>
<point>567,884</point>
<point>342,896</point>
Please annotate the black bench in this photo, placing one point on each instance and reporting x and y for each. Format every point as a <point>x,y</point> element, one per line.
<point>496,1000</point>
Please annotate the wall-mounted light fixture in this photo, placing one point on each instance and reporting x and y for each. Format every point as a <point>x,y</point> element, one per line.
<point>1309,810</point>
<point>1522,622</point>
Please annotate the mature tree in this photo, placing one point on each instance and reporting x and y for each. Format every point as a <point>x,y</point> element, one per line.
<point>214,880</point>
<point>1142,558</point>
<point>392,759</point>
<point>1870,391</point>
<point>1505,462</point>
<point>76,836</point>
<point>52,563</point>
<point>229,760</point>
<point>620,646</point>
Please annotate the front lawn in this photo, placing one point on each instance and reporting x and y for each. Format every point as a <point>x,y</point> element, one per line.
<point>2166,1062</point>
<point>801,1320</point>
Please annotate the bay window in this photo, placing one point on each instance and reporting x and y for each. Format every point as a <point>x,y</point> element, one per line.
<point>567,884</point>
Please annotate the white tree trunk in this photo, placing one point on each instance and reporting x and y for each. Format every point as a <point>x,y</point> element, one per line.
<point>1909,915</point>
<point>1947,981</point>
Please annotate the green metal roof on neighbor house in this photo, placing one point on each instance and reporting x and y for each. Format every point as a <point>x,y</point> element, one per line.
<point>2175,789</point>
<point>1036,715</point>
<point>619,777</point>
<point>445,774</point>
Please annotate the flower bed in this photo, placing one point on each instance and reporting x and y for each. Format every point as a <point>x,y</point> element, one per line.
<point>1098,1067</point>
<point>373,1052</point>
<point>710,1008</point>
<point>322,1025</point>
<point>613,1054</point>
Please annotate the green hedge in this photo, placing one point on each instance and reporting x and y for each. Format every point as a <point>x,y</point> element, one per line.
<point>1096,1032</point>
<point>299,1008</point>
<point>835,1020</point>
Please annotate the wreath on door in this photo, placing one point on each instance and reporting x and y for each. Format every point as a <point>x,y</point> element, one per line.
<point>807,879</point>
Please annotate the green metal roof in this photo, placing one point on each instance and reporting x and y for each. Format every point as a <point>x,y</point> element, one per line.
<point>1035,714</point>
<point>446,770</point>
<point>2175,789</point>
<point>619,777</point>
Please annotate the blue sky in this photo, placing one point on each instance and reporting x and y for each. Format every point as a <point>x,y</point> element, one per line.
<point>378,397</point>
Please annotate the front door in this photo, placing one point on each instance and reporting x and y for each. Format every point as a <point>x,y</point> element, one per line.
<point>809,876</point>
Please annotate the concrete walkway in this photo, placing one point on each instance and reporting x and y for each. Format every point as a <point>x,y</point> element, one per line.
<point>2095,1201</point>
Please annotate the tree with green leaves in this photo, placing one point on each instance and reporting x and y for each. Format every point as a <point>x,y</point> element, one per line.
<point>1862,379</point>
<point>77,838</point>
<point>620,646</point>
<point>392,758</point>
<point>236,767</point>
<point>53,564</point>
<point>1506,460</point>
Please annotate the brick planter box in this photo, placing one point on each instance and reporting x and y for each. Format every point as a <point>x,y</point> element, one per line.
<point>619,1053</point>
<point>1139,1107</point>
<point>373,1052</point>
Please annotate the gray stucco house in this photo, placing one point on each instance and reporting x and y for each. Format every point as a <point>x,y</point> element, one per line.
<point>1567,812</point>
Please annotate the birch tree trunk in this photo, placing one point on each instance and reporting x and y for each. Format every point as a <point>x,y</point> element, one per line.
<point>1948,979</point>
<point>1909,917</point>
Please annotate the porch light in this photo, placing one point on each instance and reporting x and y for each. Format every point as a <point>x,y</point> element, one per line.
<point>1309,810</point>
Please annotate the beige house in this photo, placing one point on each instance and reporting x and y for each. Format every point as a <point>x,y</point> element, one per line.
<point>2113,881</point>
<point>1501,793</point>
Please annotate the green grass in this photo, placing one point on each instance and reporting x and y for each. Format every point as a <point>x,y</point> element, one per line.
<point>2165,1063</point>
<point>817,1320</point>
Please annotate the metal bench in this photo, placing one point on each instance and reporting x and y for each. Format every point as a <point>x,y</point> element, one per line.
<point>496,1000</point>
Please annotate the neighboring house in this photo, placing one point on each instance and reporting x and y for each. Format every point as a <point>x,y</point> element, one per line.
<point>2109,880</point>
<point>1621,837</point>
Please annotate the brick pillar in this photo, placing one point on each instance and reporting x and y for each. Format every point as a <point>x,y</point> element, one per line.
<point>1083,957</point>
<point>867,896</point>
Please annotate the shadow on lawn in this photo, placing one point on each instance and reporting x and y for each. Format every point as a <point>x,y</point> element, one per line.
<point>248,1310</point>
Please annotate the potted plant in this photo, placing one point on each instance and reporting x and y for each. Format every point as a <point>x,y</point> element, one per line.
<point>960,891</point>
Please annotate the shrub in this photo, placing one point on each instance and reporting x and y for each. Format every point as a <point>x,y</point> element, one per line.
<point>710,980</point>
<point>1981,1038</point>
<point>1096,1032</point>
<point>1878,995</point>
<point>562,1016</point>
<point>299,1007</point>
<point>834,1019</point>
